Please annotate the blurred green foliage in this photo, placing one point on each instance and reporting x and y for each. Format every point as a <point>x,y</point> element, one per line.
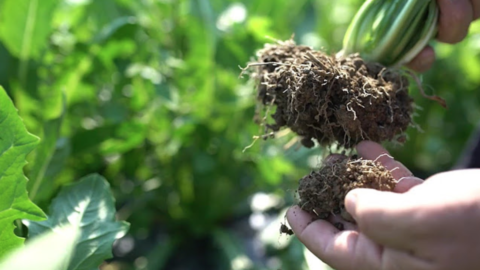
<point>147,94</point>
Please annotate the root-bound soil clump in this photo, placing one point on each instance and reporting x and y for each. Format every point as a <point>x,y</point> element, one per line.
<point>331,99</point>
<point>323,191</point>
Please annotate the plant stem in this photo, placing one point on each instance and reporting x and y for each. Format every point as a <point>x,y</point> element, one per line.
<point>19,224</point>
<point>391,32</point>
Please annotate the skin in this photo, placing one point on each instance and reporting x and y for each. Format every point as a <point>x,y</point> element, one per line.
<point>422,225</point>
<point>453,25</point>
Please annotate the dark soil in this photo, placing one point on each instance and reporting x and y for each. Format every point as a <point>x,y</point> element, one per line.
<point>328,98</point>
<point>322,192</point>
<point>285,229</point>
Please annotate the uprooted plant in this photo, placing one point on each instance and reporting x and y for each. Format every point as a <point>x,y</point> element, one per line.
<point>358,94</point>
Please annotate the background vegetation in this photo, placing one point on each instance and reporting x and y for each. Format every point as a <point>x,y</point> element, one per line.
<point>147,94</point>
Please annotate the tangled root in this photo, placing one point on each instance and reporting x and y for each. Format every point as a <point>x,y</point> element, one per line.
<point>323,192</point>
<point>331,99</point>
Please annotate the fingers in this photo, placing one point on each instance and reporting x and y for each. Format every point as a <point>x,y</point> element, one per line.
<point>423,61</point>
<point>406,183</point>
<point>476,8</point>
<point>341,250</point>
<point>374,151</point>
<point>299,219</point>
<point>378,214</point>
<point>455,19</point>
<point>347,249</point>
<point>400,260</point>
<point>315,234</point>
<point>453,25</point>
<point>335,220</point>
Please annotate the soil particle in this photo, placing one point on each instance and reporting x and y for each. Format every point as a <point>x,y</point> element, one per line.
<point>330,99</point>
<point>284,229</point>
<point>323,191</point>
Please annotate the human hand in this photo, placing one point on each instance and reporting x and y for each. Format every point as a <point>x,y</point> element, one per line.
<point>454,22</point>
<point>431,225</point>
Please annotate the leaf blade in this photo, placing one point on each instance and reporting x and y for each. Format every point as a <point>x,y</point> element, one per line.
<point>26,25</point>
<point>15,144</point>
<point>89,206</point>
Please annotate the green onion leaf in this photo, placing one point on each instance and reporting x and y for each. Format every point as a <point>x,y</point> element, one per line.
<point>391,32</point>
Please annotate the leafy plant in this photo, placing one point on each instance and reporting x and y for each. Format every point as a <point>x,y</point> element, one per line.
<point>147,94</point>
<point>15,144</point>
<point>86,208</point>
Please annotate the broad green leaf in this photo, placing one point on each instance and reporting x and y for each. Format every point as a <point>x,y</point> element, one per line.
<point>25,26</point>
<point>89,206</point>
<point>49,251</point>
<point>15,144</point>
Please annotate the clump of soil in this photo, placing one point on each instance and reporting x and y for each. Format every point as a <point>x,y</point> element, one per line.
<point>285,229</point>
<point>340,99</point>
<point>322,192</point>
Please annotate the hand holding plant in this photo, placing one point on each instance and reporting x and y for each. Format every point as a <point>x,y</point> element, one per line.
<point>454,22</point>
<point>429,225</point>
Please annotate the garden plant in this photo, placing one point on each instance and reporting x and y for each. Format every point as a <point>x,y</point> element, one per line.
<point>125,128</point>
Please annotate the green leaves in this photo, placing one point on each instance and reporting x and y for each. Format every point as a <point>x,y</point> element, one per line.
<point>15,144</point>
<point>43,157</point>
<point>25,26</point>
<point>391,32</point>
<point>88,206</point>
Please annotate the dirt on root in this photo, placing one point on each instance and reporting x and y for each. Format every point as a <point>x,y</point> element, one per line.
<point>329,98</point>
<point>323,191</point>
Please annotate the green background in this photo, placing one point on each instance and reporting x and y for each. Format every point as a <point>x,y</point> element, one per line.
<point>147,93</point>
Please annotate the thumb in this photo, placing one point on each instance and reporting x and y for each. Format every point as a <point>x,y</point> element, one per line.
<point>379,214</point>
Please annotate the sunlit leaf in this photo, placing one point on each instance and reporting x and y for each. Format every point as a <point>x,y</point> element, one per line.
<point>87,205</point>
<point>60,245</point>
<point>15,144</point>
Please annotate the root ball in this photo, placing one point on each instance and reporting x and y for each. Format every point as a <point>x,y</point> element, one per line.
<point>322,192</point>
<point>329,98</point>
